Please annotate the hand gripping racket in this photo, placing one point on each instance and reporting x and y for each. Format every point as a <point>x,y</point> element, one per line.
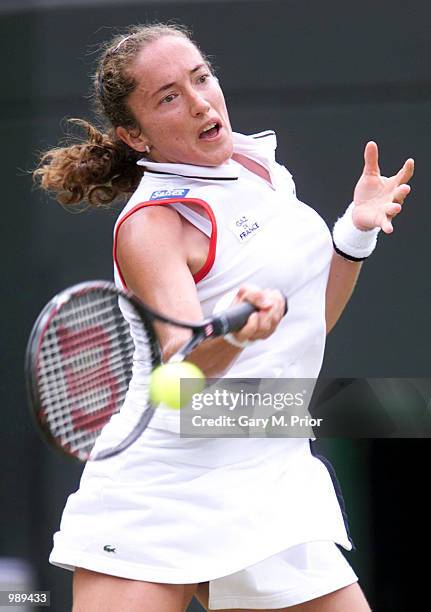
<point>79,361</point>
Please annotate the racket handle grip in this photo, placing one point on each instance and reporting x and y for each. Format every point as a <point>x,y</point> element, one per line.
<point>234,318</point>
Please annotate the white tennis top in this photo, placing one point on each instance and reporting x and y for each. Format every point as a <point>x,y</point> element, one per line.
<point>260,233</point>
<point>184,510</point>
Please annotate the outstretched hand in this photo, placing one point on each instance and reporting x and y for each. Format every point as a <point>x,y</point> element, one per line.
<point>378,199</point>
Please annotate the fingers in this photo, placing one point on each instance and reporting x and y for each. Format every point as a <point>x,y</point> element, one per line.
<point>256,296</point>
<point>394,208</point>
<point>391,211</point>
<point>381,198</point>
<point>371,167</point>
<point>406,172</point>
<point>387,226</point>
<point>400,193</point>
<point>371,159</point>
<point>261,324</point>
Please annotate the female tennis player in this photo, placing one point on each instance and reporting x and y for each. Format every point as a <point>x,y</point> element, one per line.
<point>211,218</point>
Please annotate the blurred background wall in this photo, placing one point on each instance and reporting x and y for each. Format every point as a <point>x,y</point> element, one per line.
<point>327,77</point>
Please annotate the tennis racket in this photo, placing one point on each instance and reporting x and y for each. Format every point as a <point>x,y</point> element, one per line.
<point>79,361</point>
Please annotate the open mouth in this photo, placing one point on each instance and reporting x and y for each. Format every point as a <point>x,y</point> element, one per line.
<point>211,131</point>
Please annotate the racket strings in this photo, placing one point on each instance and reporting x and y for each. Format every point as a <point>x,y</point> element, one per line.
<point>85,365</point>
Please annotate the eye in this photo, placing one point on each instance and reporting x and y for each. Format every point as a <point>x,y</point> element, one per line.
<point>168,99</point>
<point>203,78</point>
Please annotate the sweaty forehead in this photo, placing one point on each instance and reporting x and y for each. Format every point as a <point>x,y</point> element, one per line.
<point>164,61</point>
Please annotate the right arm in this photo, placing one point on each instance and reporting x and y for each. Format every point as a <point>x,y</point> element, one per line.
<point>153,257</point>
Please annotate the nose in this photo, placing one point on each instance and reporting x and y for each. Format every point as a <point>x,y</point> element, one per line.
<point>198,104</point>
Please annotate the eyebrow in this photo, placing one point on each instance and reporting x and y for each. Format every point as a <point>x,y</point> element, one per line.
<point>169,85</point>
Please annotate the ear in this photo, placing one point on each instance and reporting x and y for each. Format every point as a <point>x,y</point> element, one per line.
<point>139,143</point>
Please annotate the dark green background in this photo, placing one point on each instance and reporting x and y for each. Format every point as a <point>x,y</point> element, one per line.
<point>327,76</point>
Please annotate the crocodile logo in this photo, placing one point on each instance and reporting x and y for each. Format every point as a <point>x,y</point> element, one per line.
<point>109,548</point>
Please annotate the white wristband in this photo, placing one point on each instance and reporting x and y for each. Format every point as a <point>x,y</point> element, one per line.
<point>230,338</point>
<point>351,242</point>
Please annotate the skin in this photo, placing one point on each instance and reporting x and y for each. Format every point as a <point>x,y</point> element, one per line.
<point>378,200</point>
<point>172,117</point>
<point>170,122</point>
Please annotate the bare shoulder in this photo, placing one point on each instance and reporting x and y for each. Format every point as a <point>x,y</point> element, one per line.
<point>151,239</point>
<point>149,227</point>
<point>151,254</point>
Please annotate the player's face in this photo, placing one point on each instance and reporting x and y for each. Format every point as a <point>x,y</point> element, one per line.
<point>175,102</point>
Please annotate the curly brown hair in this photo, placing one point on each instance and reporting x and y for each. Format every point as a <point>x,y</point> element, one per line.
<point>101,168</point>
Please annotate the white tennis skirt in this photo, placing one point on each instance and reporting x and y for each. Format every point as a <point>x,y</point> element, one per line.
<point>291,577</point>
<point>187,510</point>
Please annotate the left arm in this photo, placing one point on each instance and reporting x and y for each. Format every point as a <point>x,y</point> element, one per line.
<point>377,200</point>
<point>343,275</point>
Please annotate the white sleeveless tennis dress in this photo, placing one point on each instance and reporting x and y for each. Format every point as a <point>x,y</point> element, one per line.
<point>259,518</point>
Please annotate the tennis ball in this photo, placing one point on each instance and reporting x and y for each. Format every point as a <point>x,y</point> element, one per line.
<point>165,382</point>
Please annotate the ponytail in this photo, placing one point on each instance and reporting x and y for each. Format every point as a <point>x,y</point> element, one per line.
<point>97,170</point>
<point>103,168</point>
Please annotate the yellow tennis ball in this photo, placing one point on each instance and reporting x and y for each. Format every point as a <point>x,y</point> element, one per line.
<point>165,383</point>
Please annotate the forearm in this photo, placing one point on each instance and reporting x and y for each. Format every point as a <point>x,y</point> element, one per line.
<point>213,357</point>
<point>343,275</point>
